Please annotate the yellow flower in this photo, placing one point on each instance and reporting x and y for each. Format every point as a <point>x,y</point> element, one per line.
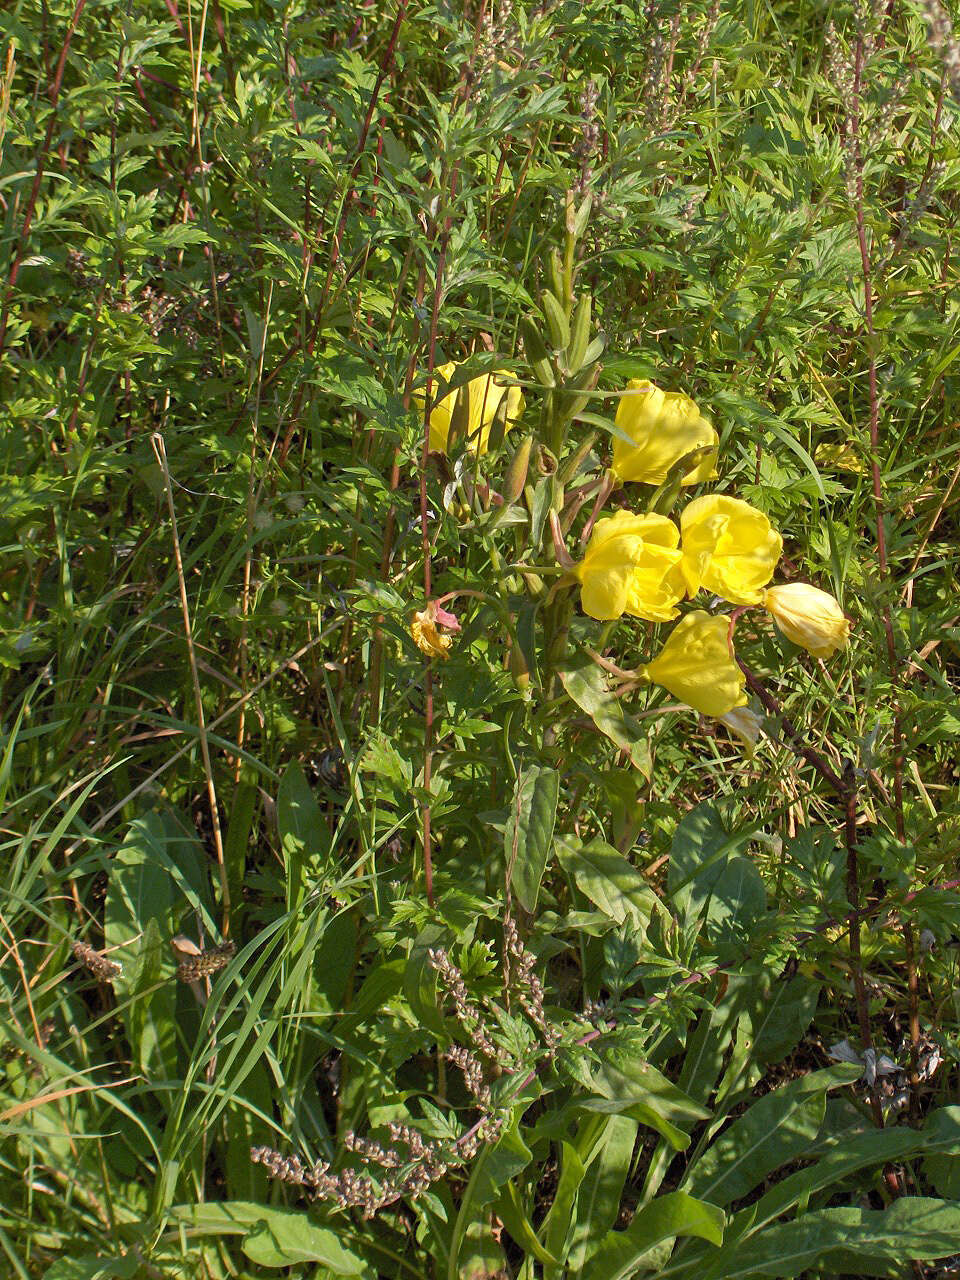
<point>663,426</point>
<point>427,636</point>
<point>631,565</point>
<point>808,616</point>
<point>840,457</point>
<point>697,666</point>
<point>745,724</point>
<point>484,394</point>
<point>729,548</point>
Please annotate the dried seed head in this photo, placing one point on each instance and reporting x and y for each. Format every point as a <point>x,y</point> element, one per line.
<point>99,965</point>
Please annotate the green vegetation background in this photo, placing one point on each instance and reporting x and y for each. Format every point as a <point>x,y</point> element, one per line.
<point>233,232</point>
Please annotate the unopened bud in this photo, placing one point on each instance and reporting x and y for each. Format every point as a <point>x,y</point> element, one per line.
<point>518,667</point>
<point>516,476</point>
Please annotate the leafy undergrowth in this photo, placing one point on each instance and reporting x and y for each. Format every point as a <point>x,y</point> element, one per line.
<point>428,848</point>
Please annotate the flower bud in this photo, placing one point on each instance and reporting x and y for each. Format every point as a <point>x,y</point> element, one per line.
<point>808,616</point>
<point>518,668</point>
<point>745,724</point>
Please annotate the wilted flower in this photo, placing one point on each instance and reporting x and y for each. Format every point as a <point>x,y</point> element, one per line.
<point>631,565</point>
<point>663,427</point>
<point>426,633</point>
<point>808,616</point>
<point>729,548</point>
<point>484,396</point>
<point>745,724</point>
<point>697,666</point>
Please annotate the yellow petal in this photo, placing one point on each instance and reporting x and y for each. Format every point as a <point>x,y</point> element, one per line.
<point>808,616</point>
<point>662,426</point>
<point>442,411</point>
<point>484,396</point>
<point>631,565</point>
<point>729,548</point>
<point>696,665</point>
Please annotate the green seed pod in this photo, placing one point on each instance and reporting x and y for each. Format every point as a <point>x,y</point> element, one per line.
<point>580,333</point>
<point>537,353</point>
<point>555,274</point>
<point>516,476</point>
<point>557,322</point>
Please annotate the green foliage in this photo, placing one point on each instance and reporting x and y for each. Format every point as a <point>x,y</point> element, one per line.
<point>500,963</point>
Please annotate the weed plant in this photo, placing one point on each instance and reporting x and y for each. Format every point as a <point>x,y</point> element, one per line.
<point>376,903</point>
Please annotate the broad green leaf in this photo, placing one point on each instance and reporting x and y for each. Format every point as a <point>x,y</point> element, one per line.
<point>273,1237</point>
<point>912,1228</point>
<point>872,1149</point>
<point>529,831</point>
<point>559,1220</point>
<point>586,686</point>
<point>776,1129</point>
<point>624,1069</point>
<point>154,878</point>
<point>304,835</point>
<point>420,977</point>
<point>493,1167</point>
<point>669,1216</point>
<point>598,1200</point>
<point>608,879</point>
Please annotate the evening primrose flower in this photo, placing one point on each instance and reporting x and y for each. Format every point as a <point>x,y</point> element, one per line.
<point>697,666</point>
<point>808,616</point>
<point>729,548</point>
<point>631,565</point>
<point>662,426</point>
<point>484,394</point>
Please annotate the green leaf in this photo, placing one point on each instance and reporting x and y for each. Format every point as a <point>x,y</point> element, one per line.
<point>154,878</point>
<point>623,1073</point>
<point>420,978</point>
<point>528,834</point>
<point>494,1166</point>
<point>872,1149</point>
<point>780,1127</point>
<point>93,1268</point>
<point>273,1237</point>
<point>598,1200</point>
<point>671,1215</point>
<point>559,1220</point>
<point>585,685</point>
<point>304,836</point>
<point>912,1228</point>
<point>606,877</point>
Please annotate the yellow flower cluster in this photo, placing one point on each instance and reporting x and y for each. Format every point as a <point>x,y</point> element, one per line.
<point>642,565</point>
